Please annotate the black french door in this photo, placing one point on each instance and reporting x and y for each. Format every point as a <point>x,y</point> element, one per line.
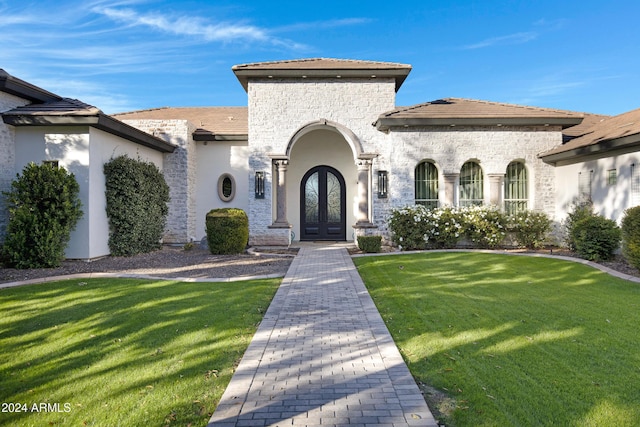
<point>322,205</point>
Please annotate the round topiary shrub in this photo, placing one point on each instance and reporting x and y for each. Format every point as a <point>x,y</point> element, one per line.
<point>596,238</point>
<point>227,231</point>
<point>631,236</point>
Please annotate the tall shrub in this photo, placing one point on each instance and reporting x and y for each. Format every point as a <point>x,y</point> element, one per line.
<point>578,212</point>
<point>631,236</point>
<point>137,197</point>
<point>44,208</point>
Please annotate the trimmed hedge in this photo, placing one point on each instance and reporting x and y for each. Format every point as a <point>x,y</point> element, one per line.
<point>44,208</point>
<point>631,236</point>
<point>137,197</point>
<point>370,244</point>
<point>227,231</point>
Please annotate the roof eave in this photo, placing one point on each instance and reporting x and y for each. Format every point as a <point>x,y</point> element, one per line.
<point>386,123</point>
<point>627,143</point>
<point>203,135</point>
<point>25,90</point>
<point>99,121</point>
<point>399,74</point>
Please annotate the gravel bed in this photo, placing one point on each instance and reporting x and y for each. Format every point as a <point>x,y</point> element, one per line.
<point>169,262</point>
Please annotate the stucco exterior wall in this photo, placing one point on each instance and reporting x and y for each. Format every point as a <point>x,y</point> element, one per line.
<point>7,156</point>
<point>213,160</point>
<point>82,151</point>
<point>180,173</point>
<point>609,200</point>
<point>278,108</point>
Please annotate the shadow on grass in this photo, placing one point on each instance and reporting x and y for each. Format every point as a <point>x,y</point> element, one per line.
<point>516,340</point>
<point>125,352</point>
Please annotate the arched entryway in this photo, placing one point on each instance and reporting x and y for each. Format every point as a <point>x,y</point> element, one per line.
<point>323,208</point>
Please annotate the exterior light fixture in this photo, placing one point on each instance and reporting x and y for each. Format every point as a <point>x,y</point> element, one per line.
<point>383,184</point>
<point>259,185</point>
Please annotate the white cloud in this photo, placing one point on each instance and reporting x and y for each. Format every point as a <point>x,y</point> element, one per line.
<point>195,26</point>
<point>511,39</point>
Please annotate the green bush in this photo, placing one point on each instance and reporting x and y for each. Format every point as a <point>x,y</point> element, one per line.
<point>578,212</point>
<point>137,197</point>
<point>418,227</point>
<point>596,238</point>
<point>370,244</point>
<point>631,236</point>
<point>43,210</point>
<point>530,228</point>
<point>227,231</point>
<point>485,226</point>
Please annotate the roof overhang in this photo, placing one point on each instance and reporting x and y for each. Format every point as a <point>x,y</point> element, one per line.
<point>204,135</point>
<point>399,74</point>
<point>603,148</point>
<point>99,121</point>
<point>24,90</point>
<point>386,123</point>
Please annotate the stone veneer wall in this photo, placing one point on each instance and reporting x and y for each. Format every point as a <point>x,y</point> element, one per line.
<point>449,148</point>
<point>7,156</point>
<point>180,173</point>
<point>278,108</point>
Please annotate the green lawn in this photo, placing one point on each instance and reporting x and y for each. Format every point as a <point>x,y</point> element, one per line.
<point>512,340</point>
<point>109,352</point>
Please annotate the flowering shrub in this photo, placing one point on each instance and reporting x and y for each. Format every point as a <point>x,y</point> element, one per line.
<point>485,226</point>
<point>530,228</point>
<point>418,227</point>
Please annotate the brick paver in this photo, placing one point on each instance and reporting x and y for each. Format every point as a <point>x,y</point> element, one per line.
<point>322,356</point>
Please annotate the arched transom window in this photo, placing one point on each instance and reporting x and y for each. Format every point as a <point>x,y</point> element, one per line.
<point>471,184</point>
<point>426,185</point>
<point>516,192</point>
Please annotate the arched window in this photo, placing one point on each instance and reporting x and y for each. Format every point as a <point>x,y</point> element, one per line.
<point>516,188</point>
<point>471,185</point>
<point>426,185</point>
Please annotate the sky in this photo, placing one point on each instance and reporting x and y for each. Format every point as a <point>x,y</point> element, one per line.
<point>125,55</point>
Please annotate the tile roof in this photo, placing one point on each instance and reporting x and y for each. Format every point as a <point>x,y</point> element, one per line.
<point>589,121</point>
<point>72,112</point>
<point>605,134</point>
<point>61,107</point>
<point>459,111</point>
<point>322,68</point>
<point>23,89</point>
<point>215,120</point>
<point>322,64</point>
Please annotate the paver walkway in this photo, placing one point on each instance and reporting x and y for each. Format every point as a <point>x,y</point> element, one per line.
<point>322,356</point>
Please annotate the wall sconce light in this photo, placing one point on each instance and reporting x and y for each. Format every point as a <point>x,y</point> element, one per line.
<point>259,185</point>
<point>383,184</point>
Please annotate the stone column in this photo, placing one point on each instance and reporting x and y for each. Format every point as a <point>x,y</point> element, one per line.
<point>451,181</point>
<point>281,194</point>
<point>364,185</point>
<point>496,195</point>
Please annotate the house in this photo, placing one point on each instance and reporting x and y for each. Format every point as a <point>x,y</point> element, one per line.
<point>322,152</point>
<point>39,126</point>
